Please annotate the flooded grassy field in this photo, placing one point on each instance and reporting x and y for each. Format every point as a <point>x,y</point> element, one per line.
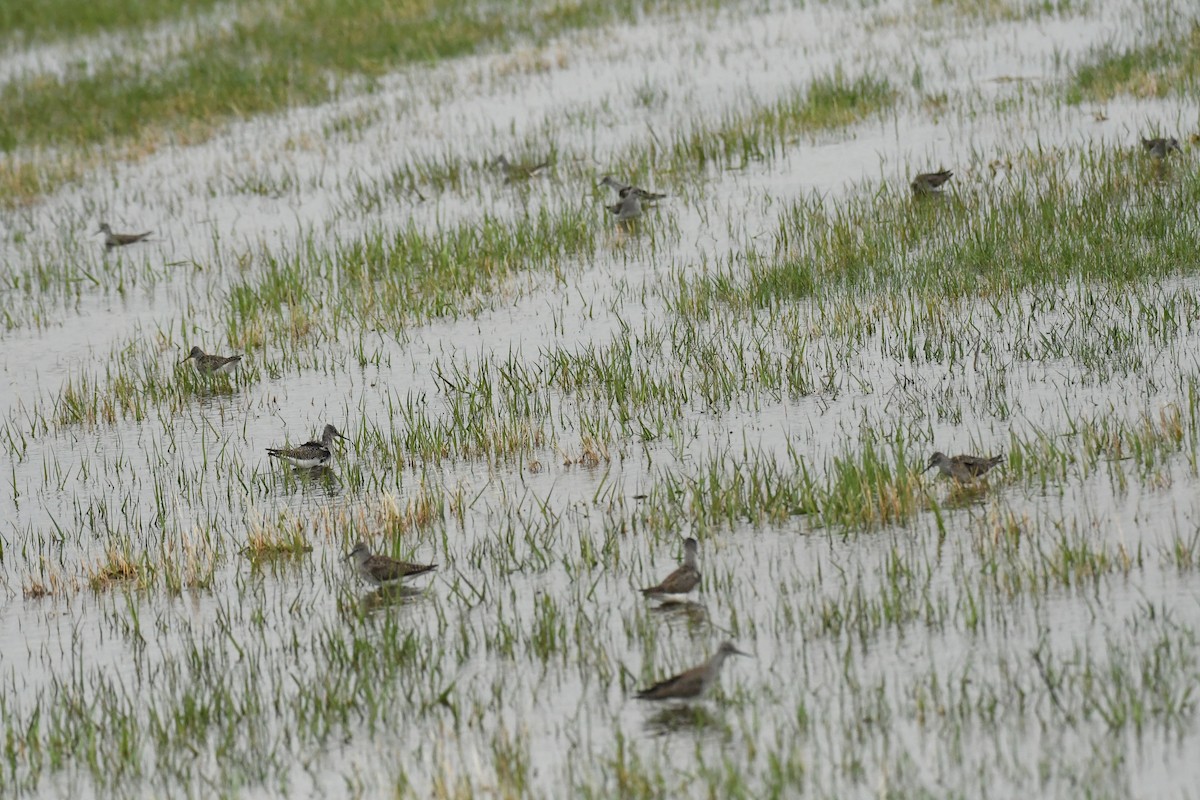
<point>394,214</point>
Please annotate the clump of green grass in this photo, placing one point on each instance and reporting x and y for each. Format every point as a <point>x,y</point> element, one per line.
<point>285,537</point>
<point>427,507</point>
<point>118,566</point>
<point>244,69</point>
<point>1024,555</point>
<point>24,180</point>
<point>192,563</point>
<point>1183,551</point>
<point>57,19</point>
<point>871,489</point>
<point>1145,443</point>
<point>393,279</point>
<point>49,584</point>
<point>856,491</point>
<point>388,515</point>
<point>1169,65</point>
<point>830,101</point>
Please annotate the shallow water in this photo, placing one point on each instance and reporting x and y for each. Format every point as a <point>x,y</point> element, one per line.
<point>895,658</point>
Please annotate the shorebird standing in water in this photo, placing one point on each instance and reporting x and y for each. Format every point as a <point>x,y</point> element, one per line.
<point>930,183</point>
<point>112,240</point>
<point>685,578</point>
<point>1161,148</point>
<point>623,190</point>
<point>380,569</point>
<point>695,681</point>
<point>311,453</point>
<point>627,208</point>
<point>962,468</point>
<point>207,364</point>
<point>520,172</point>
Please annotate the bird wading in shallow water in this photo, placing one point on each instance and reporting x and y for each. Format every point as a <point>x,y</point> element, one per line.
<point>380,569</point>
<point>627,208</point>
<point>207,364</point>
<point>693,682</point>
<point>311,453</point>
<point>112,240</point>
<point>520,172</point>
<point>685,578</point>
<point>930,183</point>
<point>1161,148</point>
<point>962,468</point>
<point>623,190</point>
